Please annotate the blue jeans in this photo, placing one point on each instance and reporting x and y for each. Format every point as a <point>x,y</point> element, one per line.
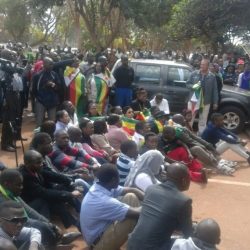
<point>123,96</point>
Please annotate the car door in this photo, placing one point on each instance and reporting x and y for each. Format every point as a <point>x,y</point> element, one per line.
<point>147,76</point>
<point>175,88</point>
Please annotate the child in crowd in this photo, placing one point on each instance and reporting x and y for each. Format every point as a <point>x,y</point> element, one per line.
<point>126,159</point>
<point>223,139</point>
<point>206,237</point>
<point>151,142</point>
<point>141,128</point>
<point>62,120</point>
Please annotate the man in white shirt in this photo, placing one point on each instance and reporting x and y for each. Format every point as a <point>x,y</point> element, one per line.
<point>161,103</point>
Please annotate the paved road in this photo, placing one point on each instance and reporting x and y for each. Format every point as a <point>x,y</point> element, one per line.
<point>226,199</point>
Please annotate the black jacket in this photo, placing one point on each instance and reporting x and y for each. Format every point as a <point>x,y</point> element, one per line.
<point>41,186</point>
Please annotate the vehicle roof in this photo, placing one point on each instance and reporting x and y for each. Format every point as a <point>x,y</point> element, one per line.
<point>155,61</point>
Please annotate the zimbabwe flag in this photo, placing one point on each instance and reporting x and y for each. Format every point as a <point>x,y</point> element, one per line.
<point>77,93</point>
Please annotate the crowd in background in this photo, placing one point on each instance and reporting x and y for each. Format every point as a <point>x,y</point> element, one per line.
<point>95,140</point>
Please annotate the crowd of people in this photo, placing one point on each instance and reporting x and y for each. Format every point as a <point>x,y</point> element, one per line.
<point>111,163</point>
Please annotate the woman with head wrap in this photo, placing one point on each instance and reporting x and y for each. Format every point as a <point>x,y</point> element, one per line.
<point>145,170</point>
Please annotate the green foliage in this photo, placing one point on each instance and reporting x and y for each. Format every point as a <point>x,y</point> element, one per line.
<point>16,18</point>
<point>211,21</point>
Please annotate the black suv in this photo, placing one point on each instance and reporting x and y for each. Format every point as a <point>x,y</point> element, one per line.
<point>169,78</point>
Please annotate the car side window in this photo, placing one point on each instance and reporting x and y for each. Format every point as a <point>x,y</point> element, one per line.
<point>148,74</point>
<point>177,76</point>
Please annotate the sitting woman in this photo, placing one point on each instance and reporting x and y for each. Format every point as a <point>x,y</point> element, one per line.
<point>99,139</point>
<point>128,121</point>
<point>92,112</point>
<point>69,107</point>
<point>177,151</point>
<point>48,127</point>
<point>146,170</point>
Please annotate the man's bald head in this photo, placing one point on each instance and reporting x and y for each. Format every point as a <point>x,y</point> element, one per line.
<point>48,63</point>
<point>208,230</point>
<point>179,119</point>
<point>31,156</point>
<point>178,173</point>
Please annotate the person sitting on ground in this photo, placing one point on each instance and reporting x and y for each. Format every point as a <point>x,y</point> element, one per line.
<point>141,128</point>
<point>99,139</point>
<point>161,103</point>
<point>47,127</point>
<point>146,170</point>
<point>177,151</point>
<point>68,159</point>
<point>105,220</point>
<point>153,110</point>
<point>128,121</point>
<point>12,220</point>
<point>223,139</point>
<point>126,159</point>
<point>151,142</point>
<point>42,143</point>
<point>11,184</point>
<point>206,236</point>
<point>44,198</point>
<point>158,122</point>
<point>87,128</point>
<point>141,103</point>
<point>199,148</point>
<point>116,110</point>
<point>116,135</point>
<point>75,137</point>
<point>93,114</point>
<point>164,203</point>
<point>187,114</point>
<point>62,120</point>
<point>69,107</point>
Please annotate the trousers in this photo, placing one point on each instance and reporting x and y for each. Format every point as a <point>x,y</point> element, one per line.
<point>40,113</point>
<point>117,233</point>
<point>222,146</point>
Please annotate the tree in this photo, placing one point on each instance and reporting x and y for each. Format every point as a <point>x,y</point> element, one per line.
<point>16,18</point>
<point>210,21</point>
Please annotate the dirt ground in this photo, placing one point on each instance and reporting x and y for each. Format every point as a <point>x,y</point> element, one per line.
<point>226,199</point>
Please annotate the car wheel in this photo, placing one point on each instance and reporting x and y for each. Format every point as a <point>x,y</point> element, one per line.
<point>234,118</point>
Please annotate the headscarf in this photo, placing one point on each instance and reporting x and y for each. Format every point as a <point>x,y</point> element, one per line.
<point>149,163</point>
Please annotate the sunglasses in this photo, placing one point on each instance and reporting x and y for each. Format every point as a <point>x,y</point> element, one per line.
<point>16,220</point>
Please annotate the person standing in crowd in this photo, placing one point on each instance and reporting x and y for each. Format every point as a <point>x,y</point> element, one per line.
<point>124,76</point>
<point>76,88</point>
<point>164,203</point>
<point>46,87</point>
<point>98,88</point>
<point>12,110</point>
<point>88,68</point>
<point>205,92</point>
<point>244,78</point>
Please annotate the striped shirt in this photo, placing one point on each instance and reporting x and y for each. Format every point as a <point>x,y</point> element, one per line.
<point>124,163</point>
